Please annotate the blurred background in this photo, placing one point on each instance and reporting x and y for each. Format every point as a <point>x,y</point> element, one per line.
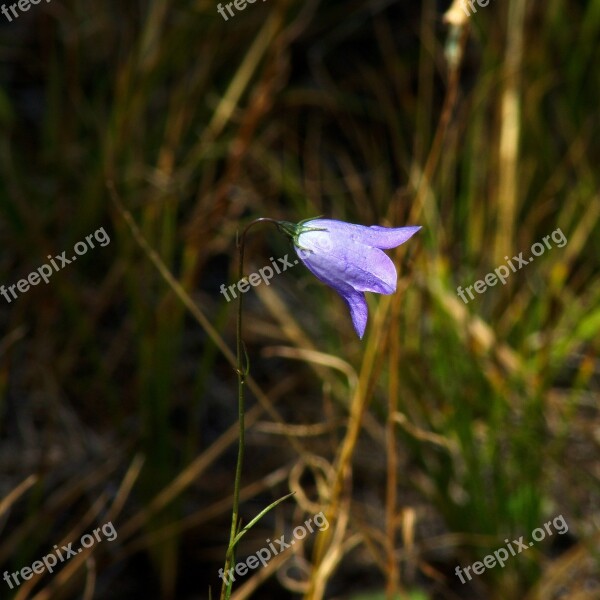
<point>450,428</point>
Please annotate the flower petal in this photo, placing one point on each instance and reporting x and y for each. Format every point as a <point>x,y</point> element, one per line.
<point>359,311</point>
<point>355,300</point>
<point>374,236</point>
<point>361,267</point>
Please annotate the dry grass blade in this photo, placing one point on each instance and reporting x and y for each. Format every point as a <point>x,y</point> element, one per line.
<point>421,434</point>
<point>328,548</point>
<point>16,493</point>
<point>508,151</point>
<point>318,358</point>
<point>126,486</point>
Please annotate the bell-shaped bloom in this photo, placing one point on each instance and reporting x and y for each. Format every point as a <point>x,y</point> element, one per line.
<point>349,259</point>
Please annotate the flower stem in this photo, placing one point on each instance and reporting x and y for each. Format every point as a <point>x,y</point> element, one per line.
<point>241,371</point>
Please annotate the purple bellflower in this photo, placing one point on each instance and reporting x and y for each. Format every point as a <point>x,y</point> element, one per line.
<point>349,259</point>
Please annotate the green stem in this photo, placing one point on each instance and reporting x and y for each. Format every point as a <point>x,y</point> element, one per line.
<point>242,371</point>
